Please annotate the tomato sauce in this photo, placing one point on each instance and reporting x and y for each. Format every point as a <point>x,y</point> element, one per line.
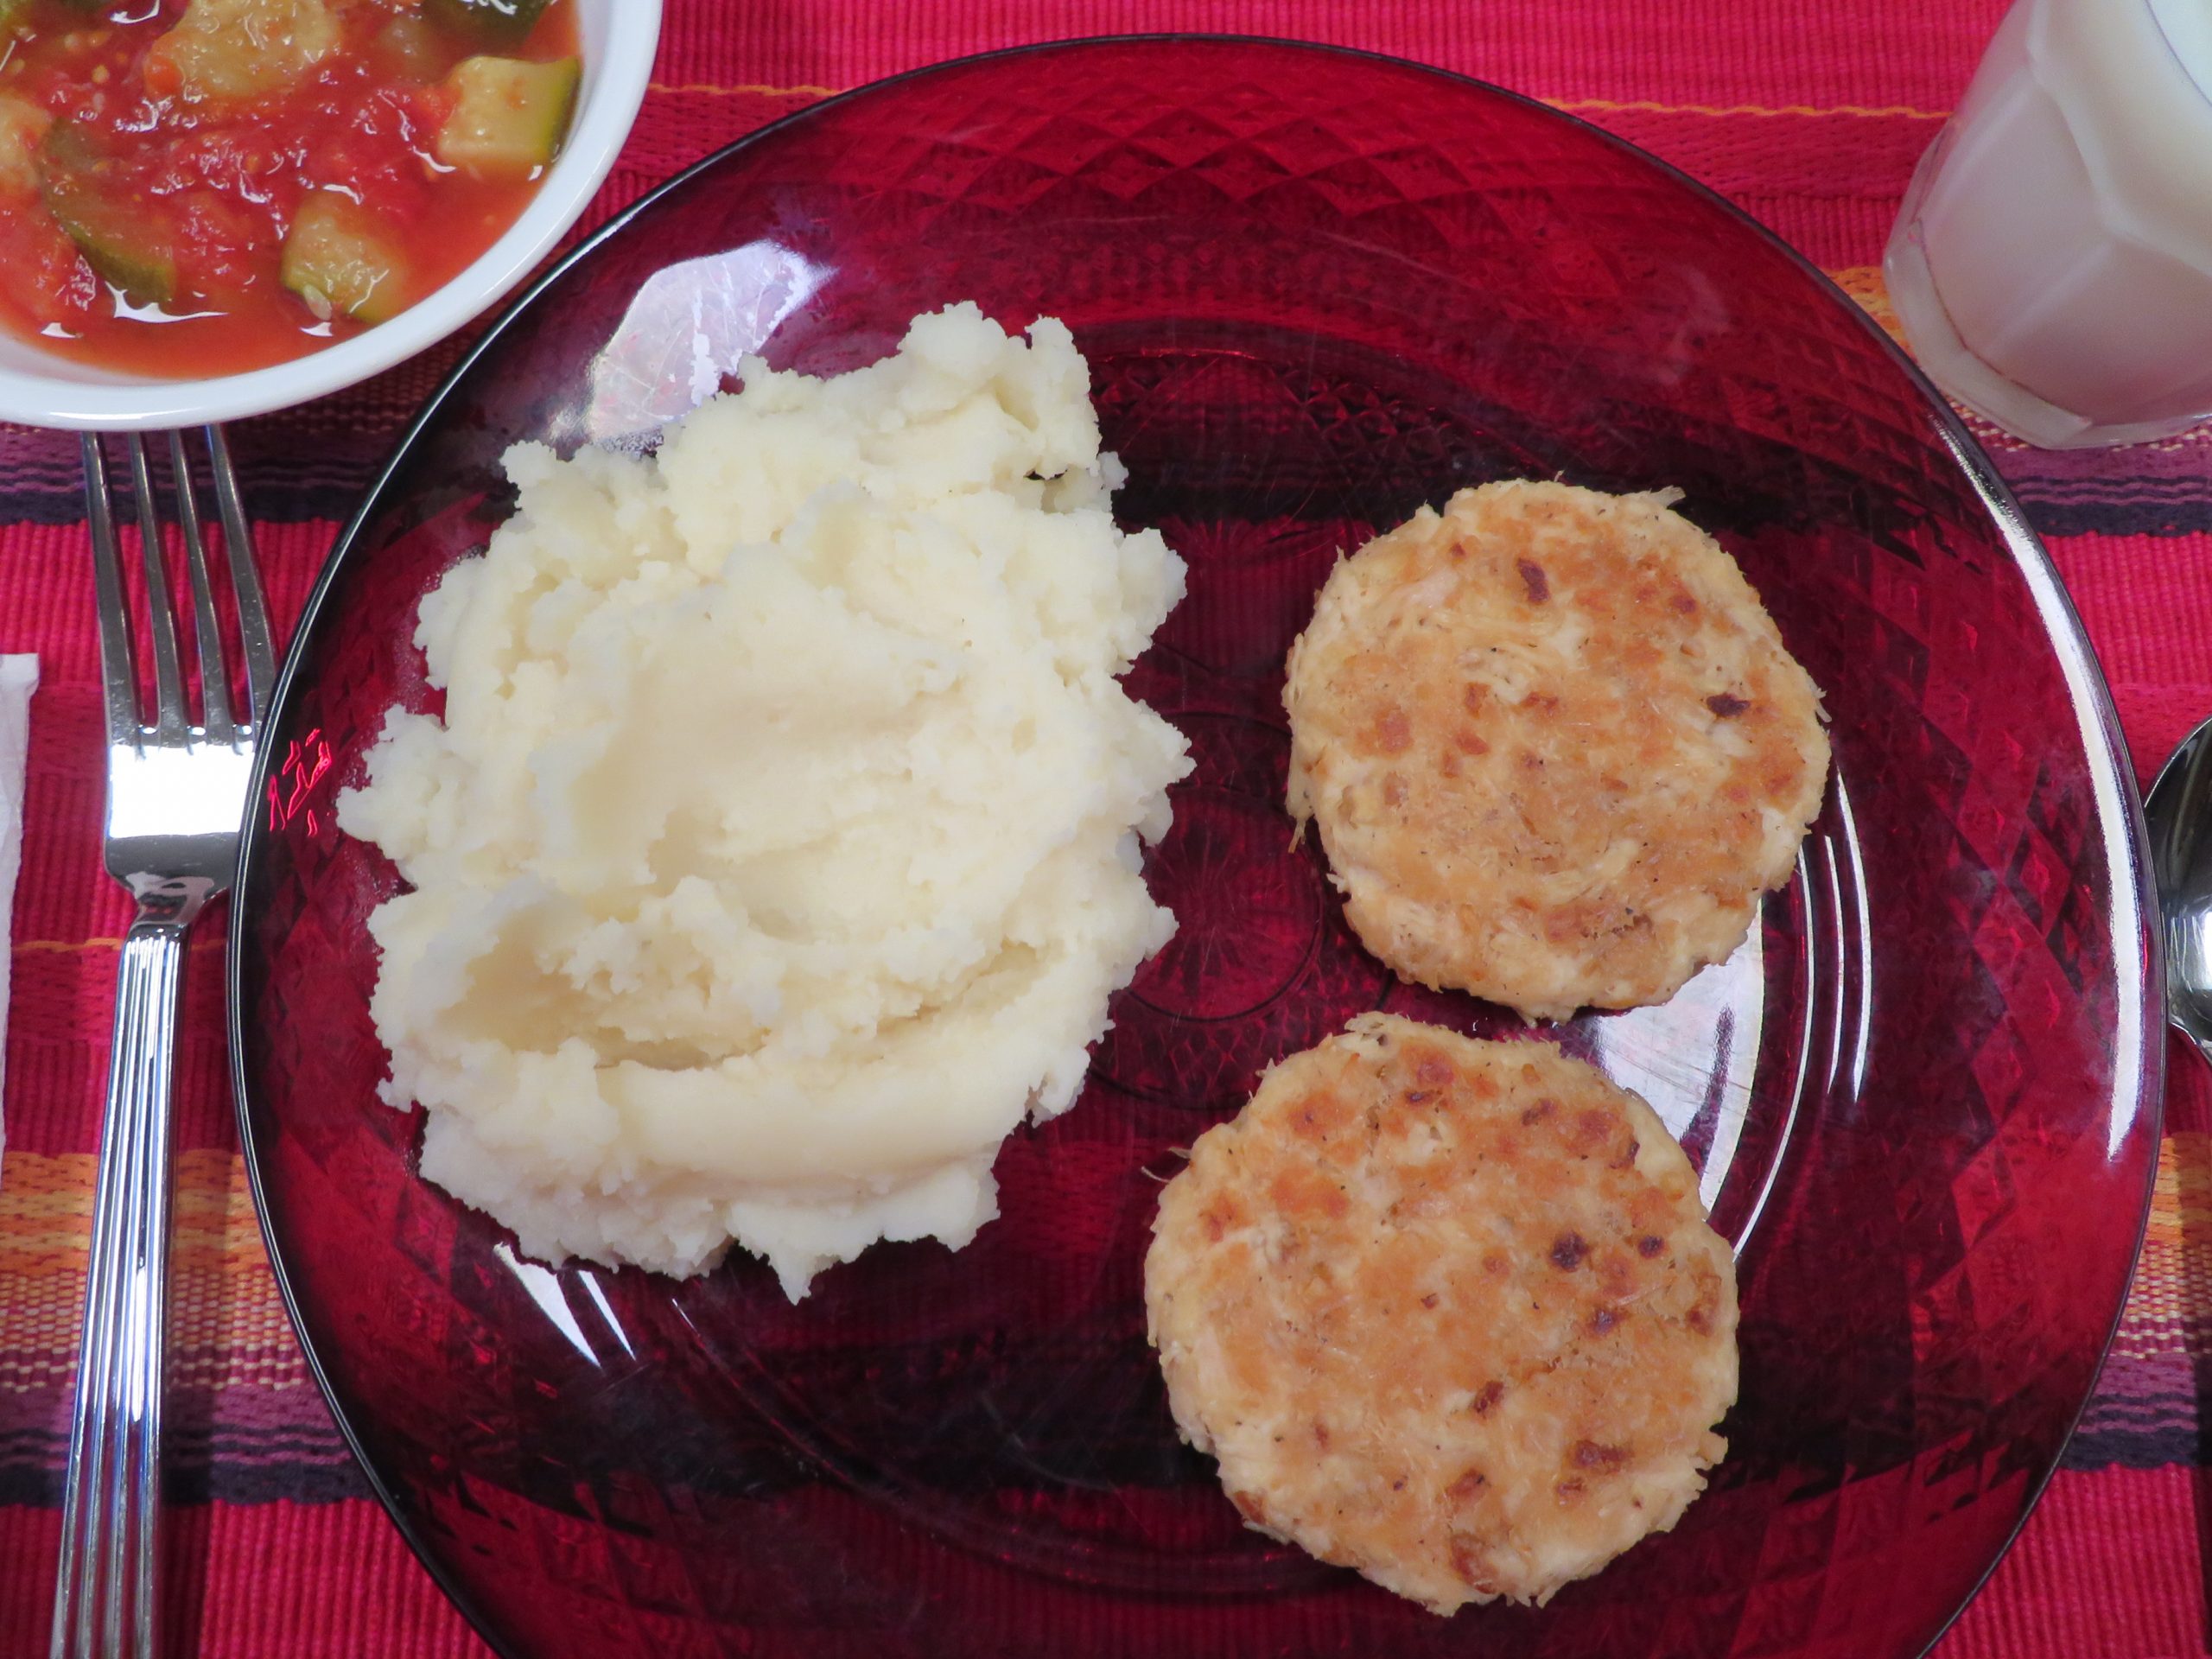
<point>213,184</point>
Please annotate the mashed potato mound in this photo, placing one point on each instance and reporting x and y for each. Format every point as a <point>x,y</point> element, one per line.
<point>779,848</point>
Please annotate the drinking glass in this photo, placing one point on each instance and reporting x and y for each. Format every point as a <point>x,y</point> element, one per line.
<point>2052,262</point>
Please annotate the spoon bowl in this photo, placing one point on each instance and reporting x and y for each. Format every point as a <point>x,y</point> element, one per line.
<point>2178,811</point>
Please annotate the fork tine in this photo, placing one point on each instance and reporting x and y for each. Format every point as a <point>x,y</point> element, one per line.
<point>117,673</point>
<point>172,718</point>
<point>245,583</point>
<point>214,679</point>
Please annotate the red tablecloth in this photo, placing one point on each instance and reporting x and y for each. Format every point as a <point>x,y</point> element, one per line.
<point>1808,113</point>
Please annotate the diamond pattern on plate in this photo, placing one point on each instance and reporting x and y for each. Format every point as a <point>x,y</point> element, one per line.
<point>1317,290</point>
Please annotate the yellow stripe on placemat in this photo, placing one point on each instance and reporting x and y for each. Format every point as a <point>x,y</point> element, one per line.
<point>1726,111</point>
<point>744,89</point>
<point>2167,1312</point>
<point>226,1323</point>
<point>1864,284</point>
<point>1597,106</point>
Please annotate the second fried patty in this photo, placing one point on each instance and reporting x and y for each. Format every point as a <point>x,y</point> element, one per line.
<point>1553,745</point>
<point>1446,1311</point>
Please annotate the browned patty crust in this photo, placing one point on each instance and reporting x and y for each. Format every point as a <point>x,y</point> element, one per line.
<point>1447,1311</point>
<point>1553,745</point>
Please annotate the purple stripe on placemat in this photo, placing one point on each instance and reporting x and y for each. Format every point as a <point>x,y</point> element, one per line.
<point>317,461</point>
<point>246,1442</point>
<point>2146,489</point>
<point>2143,1415</point>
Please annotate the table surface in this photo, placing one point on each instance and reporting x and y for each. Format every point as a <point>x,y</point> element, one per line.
<point>1809,114</point>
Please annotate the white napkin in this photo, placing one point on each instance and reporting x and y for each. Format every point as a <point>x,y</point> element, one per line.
<point>18,679</point>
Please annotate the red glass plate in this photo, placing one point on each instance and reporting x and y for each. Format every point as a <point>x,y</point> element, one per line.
<point>1316,289</point>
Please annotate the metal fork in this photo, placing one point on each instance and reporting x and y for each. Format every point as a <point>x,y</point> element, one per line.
<point>176,797</point>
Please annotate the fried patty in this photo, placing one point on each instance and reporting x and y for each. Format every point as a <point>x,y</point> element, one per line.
<point>1553,745</point>
<point>1447,1311</point>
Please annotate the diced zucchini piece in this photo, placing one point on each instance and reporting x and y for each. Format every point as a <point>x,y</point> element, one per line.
<point>120,237</point>
<point>230,49</point>
<point>22,124</point>
<point>509,115</point>
<point>486,22</point>
<point>112,240</point>
<point>13,11</point>
<point>340,261</point>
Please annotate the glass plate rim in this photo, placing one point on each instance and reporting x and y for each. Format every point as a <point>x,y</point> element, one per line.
<point>2117,794</point>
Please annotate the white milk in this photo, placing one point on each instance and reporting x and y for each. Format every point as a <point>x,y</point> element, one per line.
<point>2187,25</point>
<point>2052,265</point>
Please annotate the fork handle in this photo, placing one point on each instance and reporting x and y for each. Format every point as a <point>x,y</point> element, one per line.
<point>107,1600</point>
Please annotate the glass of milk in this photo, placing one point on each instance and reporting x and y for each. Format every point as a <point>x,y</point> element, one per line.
<point>2052,265</point>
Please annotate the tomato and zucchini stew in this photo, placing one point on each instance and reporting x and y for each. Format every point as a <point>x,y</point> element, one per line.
<point>194,188</point>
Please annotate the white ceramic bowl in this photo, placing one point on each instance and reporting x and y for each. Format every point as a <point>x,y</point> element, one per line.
<point>617,38</point>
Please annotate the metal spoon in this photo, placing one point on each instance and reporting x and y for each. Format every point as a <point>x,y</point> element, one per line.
<point>2178,811</point>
